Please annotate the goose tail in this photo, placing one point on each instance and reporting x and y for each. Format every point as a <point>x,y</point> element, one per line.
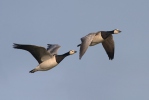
<point>32,71</point>
<point>78,45</point>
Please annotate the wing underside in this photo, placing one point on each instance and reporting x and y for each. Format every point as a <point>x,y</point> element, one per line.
<point>108,45</point>
<point>86,41</point>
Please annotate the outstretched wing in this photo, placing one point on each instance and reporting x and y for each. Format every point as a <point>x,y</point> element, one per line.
<point>108,45</point>
<point>39,53</point>
<point>53,48</point>
<point>86,41</point>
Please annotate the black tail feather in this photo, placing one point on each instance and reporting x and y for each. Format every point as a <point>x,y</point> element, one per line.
<point>78,45</point>
<point>16,45</point>
<point>32,71</point>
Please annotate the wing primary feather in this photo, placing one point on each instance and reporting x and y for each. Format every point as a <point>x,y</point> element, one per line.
<point>38,52</point>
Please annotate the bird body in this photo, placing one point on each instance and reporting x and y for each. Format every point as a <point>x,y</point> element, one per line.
<point>104,37</point>
<point>47,59</point>
<point>97,39</point>
<point>46,65</point>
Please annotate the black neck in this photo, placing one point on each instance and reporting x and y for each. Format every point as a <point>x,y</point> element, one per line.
<point>110,31</point>
<point>59,58</point>
<point>105,34</point>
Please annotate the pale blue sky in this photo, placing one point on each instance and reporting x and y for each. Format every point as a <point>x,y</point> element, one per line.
<point>64,22</point>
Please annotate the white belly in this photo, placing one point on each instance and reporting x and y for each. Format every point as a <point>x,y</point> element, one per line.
<point>47,65</point>
<point>96,40</point>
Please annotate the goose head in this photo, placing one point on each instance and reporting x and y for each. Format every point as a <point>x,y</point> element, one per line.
<point>116,31</point>
<point>71,52</point>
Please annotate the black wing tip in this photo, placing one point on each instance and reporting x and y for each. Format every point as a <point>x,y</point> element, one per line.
<point>48,44</point>
<point>15,45</point>
<point>111,58</point>
<point>80,57</point>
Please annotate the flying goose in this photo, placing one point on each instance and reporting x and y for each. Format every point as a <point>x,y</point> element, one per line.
<point>104,37</point>
<point>47,58</point>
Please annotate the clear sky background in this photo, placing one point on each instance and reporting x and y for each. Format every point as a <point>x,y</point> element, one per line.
<point>64,22</point>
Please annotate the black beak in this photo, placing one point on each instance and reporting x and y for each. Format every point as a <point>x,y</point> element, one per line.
<point>75,51</point>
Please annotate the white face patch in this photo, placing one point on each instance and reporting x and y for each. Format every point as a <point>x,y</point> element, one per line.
<point>116,31</point>
<point>71,52</point>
